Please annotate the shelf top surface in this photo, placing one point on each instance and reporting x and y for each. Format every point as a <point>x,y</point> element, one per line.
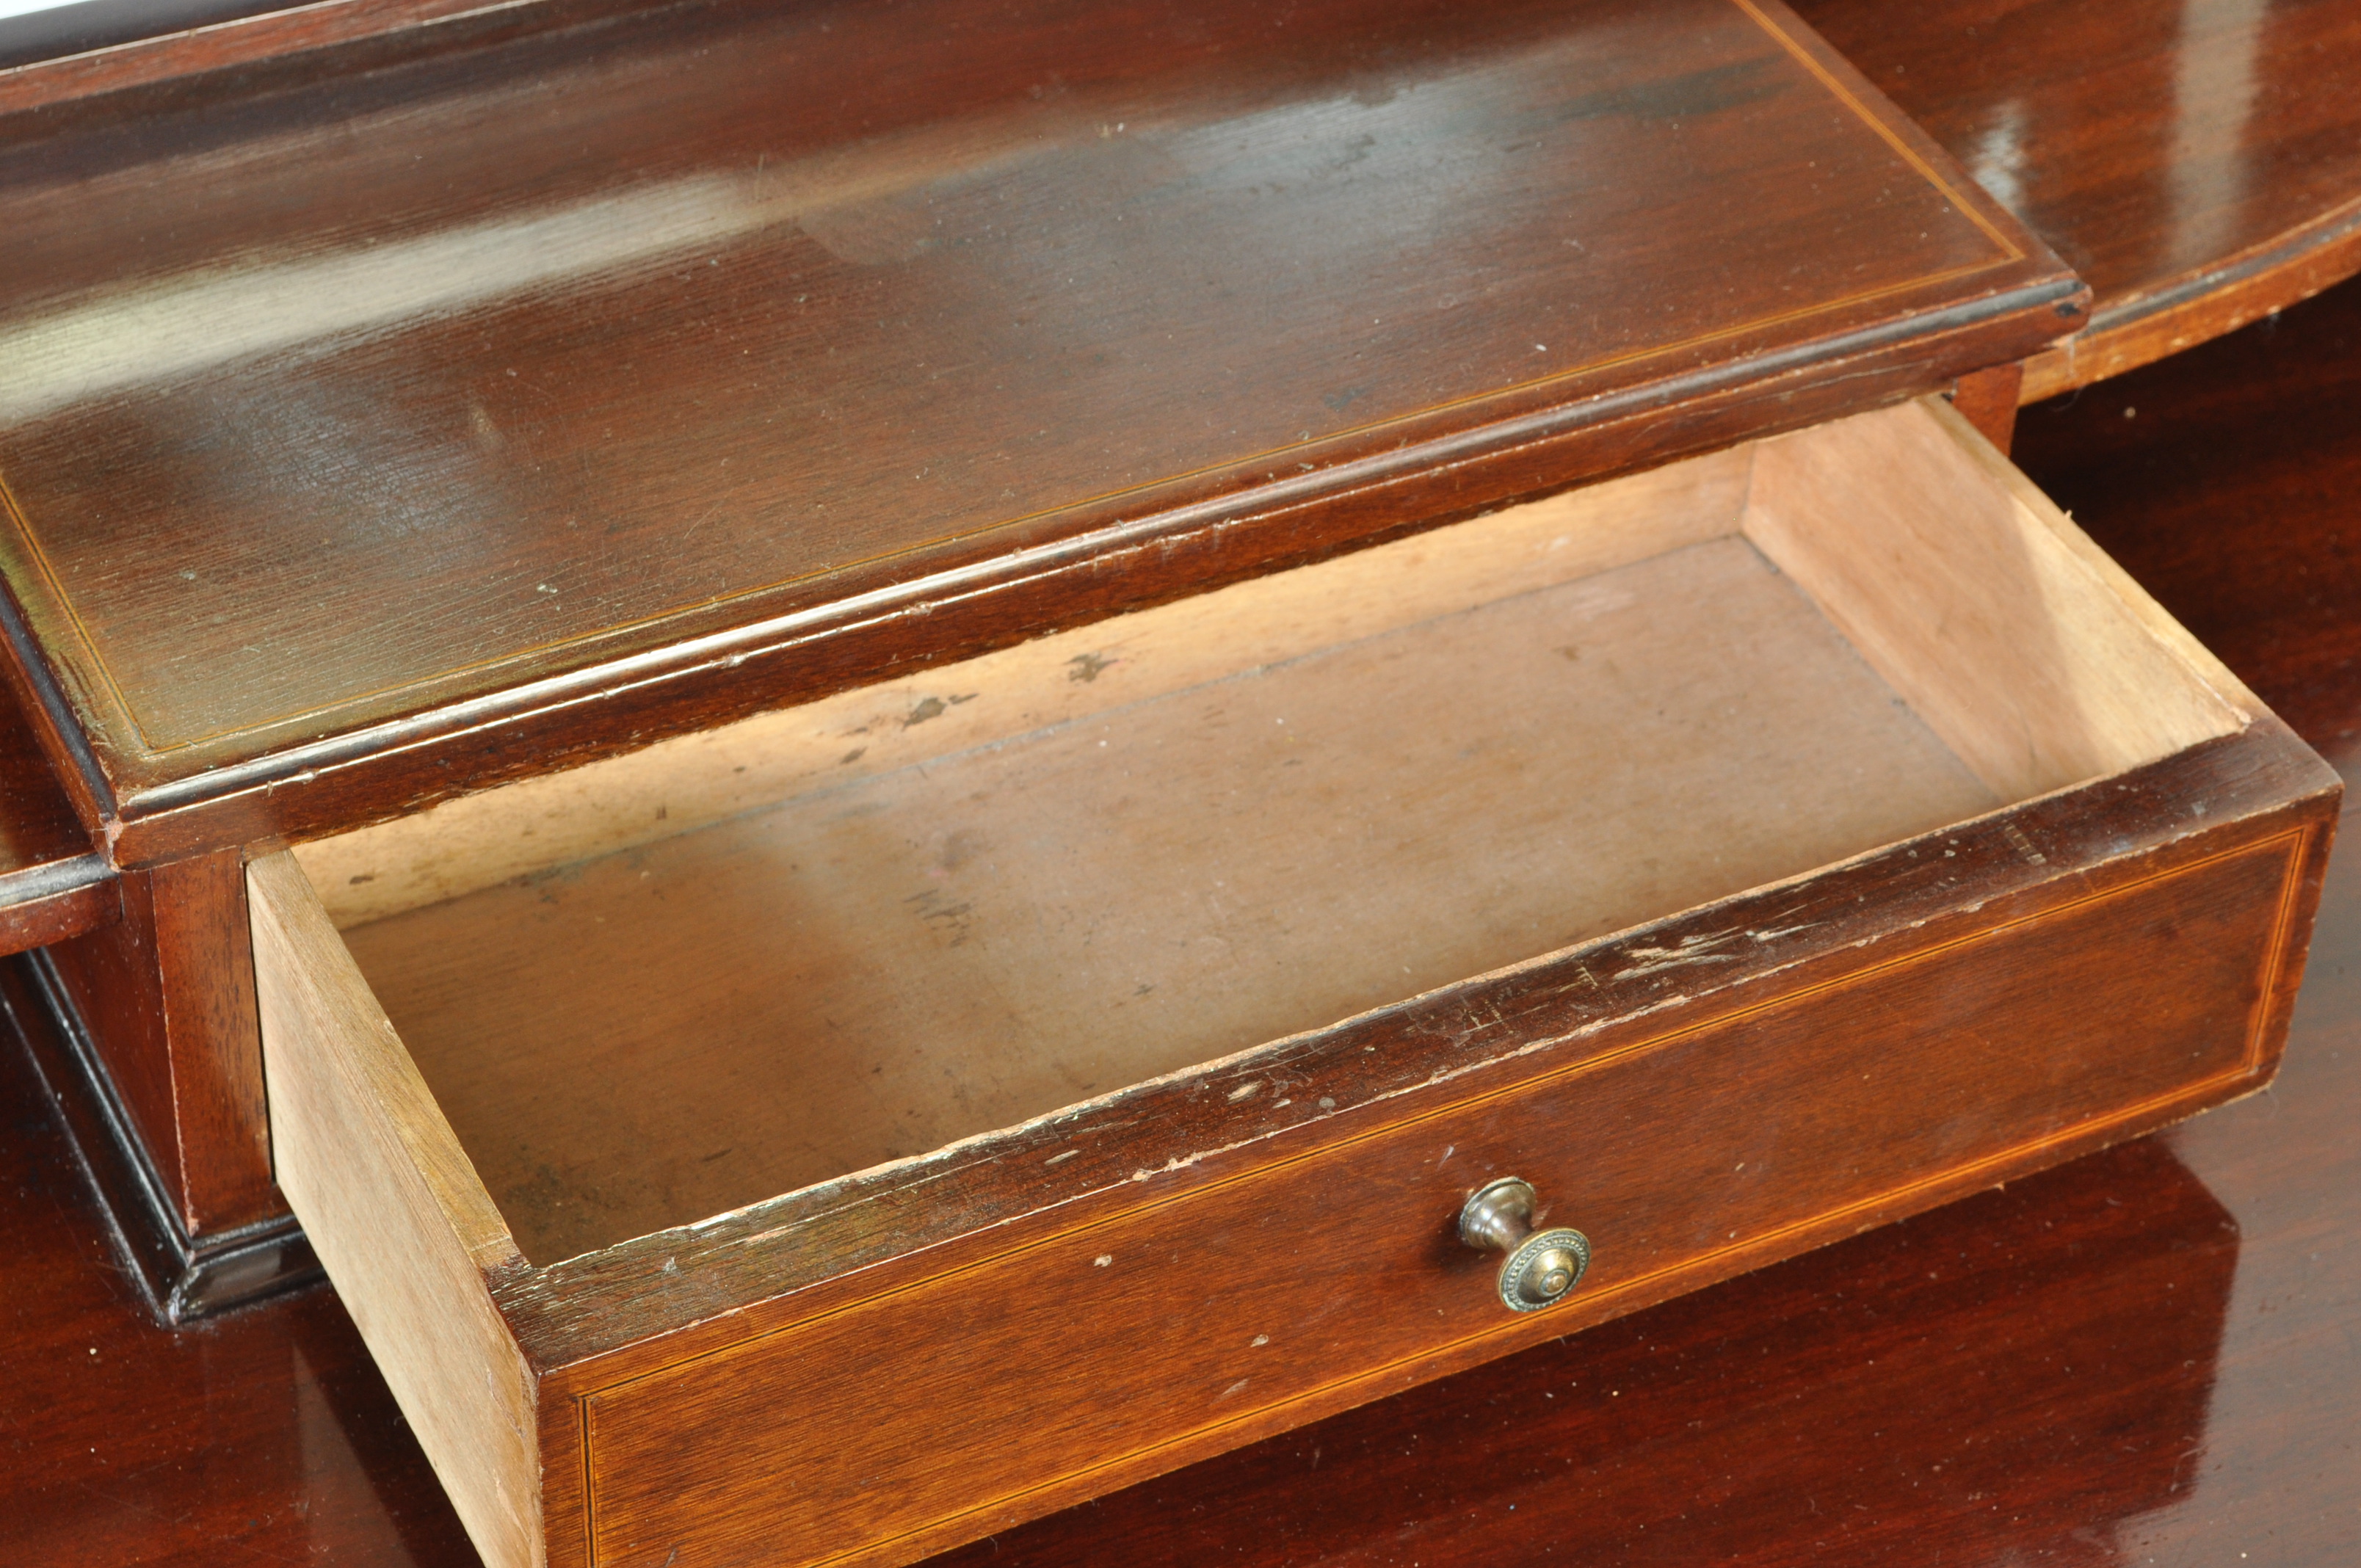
<point>326,406</point>
<point>2169,149</point>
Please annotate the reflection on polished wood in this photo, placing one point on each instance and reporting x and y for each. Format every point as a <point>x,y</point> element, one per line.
<point>626,378</point>
<point>1779,1419</point>
<point>2094,1367</point>
<point>2143,1353</point>
<point>2198,161</point>
<point>52,882</point>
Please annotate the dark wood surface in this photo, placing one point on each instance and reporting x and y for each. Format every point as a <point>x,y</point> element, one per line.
<point>2266,571</point>
<point>1994,994</point>
<point>2197,161</point>
<point>185,1274</point>
<point>1079,1304</point>
<point>1180,1329</point>
<point>53,881</point>
<point>2145,1354</point>
<point>167,995</point>
<point>280,43</point>
<point>621,378</point>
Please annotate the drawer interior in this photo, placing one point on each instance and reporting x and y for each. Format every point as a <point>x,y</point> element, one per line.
<point>661,987</point>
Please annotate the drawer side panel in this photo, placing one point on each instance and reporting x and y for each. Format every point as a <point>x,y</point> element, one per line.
<point>371,1169</point>
<point>1136,1342</point>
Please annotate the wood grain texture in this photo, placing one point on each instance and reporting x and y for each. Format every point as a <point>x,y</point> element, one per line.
<point>620,419</point>
<point>2198,163</point>
<point>2038,663</point>
<point>786,1252</point>
<point>1796,1415</point>
<point>1322,1280</point>
<point>881,970</point>
<point>676,786</point>
<point>1258,838</point>
<point>2141,1354</point>
<point>58,909</point>
<point>746,1274</point>
<point>167,992</point>
<point>2225,478</point>
<point>264,1435</point>
<point>265,43</point>
<point>1690,1432</point>
<point>2002,932</point>
<point>186,1277</point>
<point>795,1243</point>
<point>1988,399</point>
<point>397,1216</point>
<point>53,884</point>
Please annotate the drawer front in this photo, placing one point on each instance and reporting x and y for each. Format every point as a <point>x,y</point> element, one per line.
<point>1127,1344</point>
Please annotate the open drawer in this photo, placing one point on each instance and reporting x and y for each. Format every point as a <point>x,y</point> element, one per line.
<point>843,1135</point>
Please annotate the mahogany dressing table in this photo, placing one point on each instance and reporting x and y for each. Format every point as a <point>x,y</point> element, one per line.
<point>289,792</point>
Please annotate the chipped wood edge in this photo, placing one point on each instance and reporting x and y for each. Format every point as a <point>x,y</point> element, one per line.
<point>396,1213</point>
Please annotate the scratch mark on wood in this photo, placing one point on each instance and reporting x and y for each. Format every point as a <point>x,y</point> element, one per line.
<point>1695,949</point>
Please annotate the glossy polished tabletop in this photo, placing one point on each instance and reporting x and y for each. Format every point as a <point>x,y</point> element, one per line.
<point>2150,1355</point>
<point>2198,161</point>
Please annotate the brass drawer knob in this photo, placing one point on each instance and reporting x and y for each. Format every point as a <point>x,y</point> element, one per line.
<point>1543,1266</point>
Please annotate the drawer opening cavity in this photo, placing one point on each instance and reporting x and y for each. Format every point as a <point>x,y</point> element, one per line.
<point>737,964</point>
